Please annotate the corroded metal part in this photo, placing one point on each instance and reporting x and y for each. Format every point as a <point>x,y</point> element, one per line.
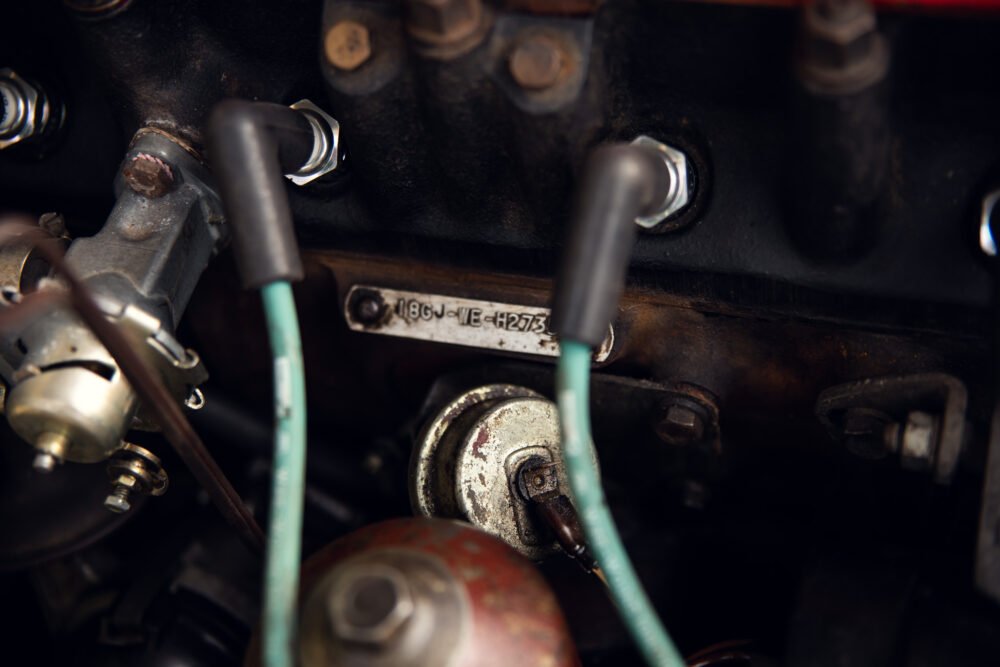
<point>466,463</point>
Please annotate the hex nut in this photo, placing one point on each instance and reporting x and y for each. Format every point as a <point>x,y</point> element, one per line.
<point>678,193</point>
<point>443,22</point>
<point>919,441</point>
<point>369,603</point>
<point>347,45</point>
<point>682,425</point>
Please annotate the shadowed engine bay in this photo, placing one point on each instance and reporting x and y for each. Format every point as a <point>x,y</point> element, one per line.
<point>749,244</point>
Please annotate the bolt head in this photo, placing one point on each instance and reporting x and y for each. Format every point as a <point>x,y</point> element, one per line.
<point>443,21</point>
<point>347,45</point>
<point>369,604</point>
<point>537,63</point>
<point>368,310</point>
<point>148,176</point>
<point>681,426</point>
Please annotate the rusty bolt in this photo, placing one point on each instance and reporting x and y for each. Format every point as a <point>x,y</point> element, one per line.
<point>348,45</point>
<point>537,63</point>
<point>443,22</point>
<point>681,425</point>
<point>369,604</point>
<point>148,176</point>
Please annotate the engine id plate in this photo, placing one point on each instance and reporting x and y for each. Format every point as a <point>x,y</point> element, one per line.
<point>487,325</point>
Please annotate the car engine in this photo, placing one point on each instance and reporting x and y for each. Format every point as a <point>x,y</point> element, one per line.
<point>480,333</point>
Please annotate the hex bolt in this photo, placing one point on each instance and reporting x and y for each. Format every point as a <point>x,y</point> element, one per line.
<point>148,176</point>
<point>536,63</point>
<point>369,604</point>
<point>443,22</point>
<point>682,425</point>
<point>347,45</point>
<point>118,501</point>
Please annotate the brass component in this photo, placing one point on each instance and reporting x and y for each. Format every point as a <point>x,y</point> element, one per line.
<point>134,471</point>
<point>347,45</point>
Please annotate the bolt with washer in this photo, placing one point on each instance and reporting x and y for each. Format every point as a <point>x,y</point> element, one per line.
<point>347,45</point>
<point>678,191</point>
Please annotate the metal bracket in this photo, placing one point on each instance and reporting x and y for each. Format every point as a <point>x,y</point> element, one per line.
<point>898,398</point>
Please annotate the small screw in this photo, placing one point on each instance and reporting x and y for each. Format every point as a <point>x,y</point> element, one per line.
<point>538,481</point>
<point>348,45</point>
<point>149,176</point>
<point>536,63</point>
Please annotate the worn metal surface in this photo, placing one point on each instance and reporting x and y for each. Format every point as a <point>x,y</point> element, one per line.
<point>466,463</point>
<point>392,607</point>
<point>512,617</point>
<point>143,266</point>
<point>503,327</point>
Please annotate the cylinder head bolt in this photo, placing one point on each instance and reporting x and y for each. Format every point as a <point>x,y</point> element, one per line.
<point>446,28</point>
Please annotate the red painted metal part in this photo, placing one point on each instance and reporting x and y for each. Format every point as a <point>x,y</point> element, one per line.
<point>516,620</point>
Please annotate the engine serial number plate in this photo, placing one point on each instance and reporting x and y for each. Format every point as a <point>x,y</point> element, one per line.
<point>487,325</point>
